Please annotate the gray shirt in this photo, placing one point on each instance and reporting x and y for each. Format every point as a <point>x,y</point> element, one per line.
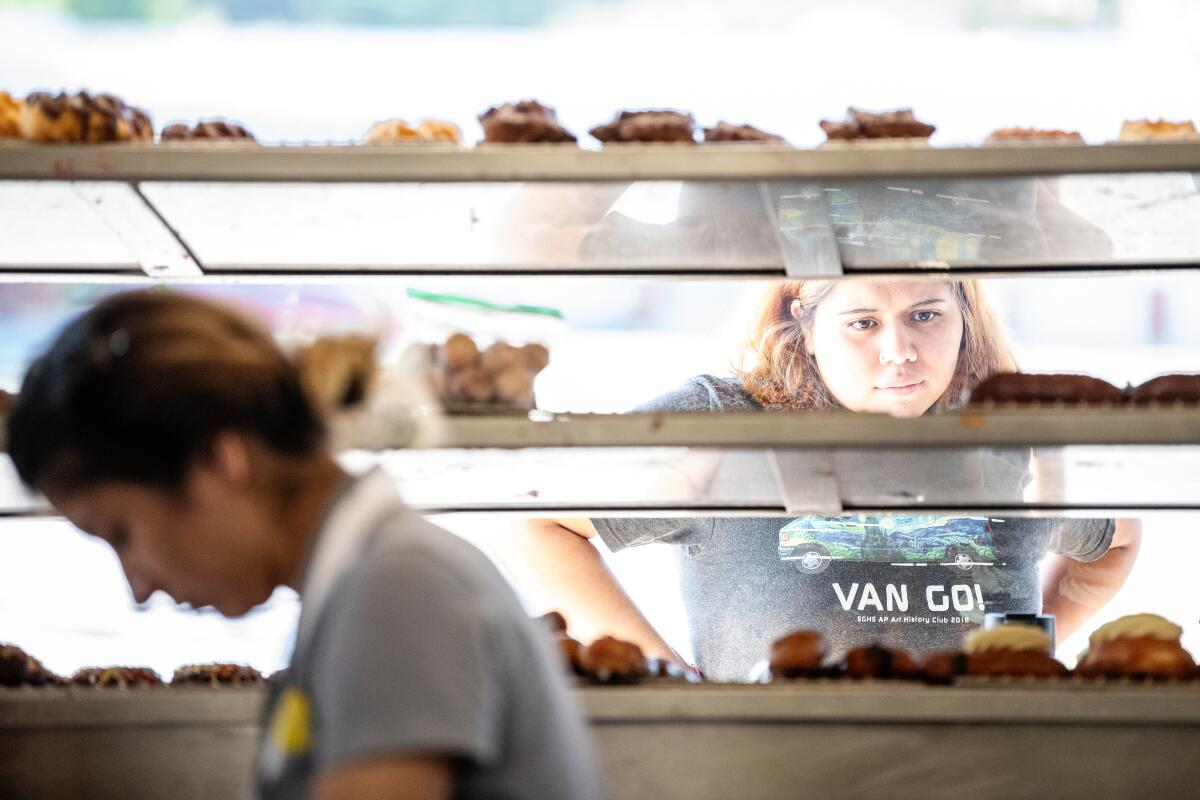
<point>886,579</point>
<point>423,649</point>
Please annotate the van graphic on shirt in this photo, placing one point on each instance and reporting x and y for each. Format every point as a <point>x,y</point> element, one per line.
<point>813,542</point>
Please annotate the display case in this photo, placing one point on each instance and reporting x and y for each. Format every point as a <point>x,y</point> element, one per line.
<point>200,213</point>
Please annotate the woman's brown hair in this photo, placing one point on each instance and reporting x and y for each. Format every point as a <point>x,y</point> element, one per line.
<point>141,384</point>
<point>784,372</point>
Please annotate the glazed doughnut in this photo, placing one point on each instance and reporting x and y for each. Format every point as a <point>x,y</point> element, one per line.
<point>1142,129</point>
<point>611,660</point>
<point>392,131</point>
<point>798,655</point>
<point>10,116</point>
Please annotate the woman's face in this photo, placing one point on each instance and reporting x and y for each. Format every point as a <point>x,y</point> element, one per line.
<point>888,347</point>
<point>208,546</point>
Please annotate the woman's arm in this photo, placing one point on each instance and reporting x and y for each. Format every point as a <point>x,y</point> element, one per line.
<point>1073,591</point>
<point>408,778</point>
<point>557,560</point>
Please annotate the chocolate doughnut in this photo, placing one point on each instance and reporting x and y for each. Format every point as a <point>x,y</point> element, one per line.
<point>898,124</point>
<point>877,661</point>
<point>210,130</point>
<point>727,132</point>
<point>82,117</point>
<point>1022,387</point>
<point>1177,388</point>
<point>647,126</point>
<point>525,122</point>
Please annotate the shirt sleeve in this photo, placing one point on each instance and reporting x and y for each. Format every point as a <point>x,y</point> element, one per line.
<point>1082,539</point>
<point>619,533</point>
<point>402,666</point>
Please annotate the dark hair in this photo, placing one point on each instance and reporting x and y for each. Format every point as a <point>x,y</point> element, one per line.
<point>140,385</point>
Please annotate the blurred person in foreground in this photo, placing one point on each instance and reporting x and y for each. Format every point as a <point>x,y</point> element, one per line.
<point>179,433</point>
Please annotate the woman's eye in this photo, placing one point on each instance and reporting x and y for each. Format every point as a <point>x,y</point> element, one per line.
<point>862,324</point>
<point>926,316</point>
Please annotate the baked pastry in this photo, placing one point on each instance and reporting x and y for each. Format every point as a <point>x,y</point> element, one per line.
<point>570,650</point>
<point>1012,650</point>
<point>877,661</point>
<point>1136,130</point>
<point>217,675</point>
<point>1024,387</point>
<point>1032,135</point>
<point>898,124</point>
<point>524,122</point>
<point>7,400</point>
<point>647,126</point>
<point>798,655</point>
<point>1168,389</point>
<point>18,668</point>
<point>10,116</point>
<point>338,371</point>
<point>728,132</point>
<point>122,677</point>
<point>555,621</point>
<point>1137,646</point>
<point>501,375</point>
<point>82,117</point>
<point>611,660</point>
<point>207,130</point>
<point>392,131</point>
<point>944,666</point>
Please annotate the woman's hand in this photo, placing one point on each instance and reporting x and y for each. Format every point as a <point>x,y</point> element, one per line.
<point>1074,591</point>
<point>556,561</point>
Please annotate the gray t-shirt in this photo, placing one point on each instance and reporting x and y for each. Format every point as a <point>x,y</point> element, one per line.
<point>886,579</point>
<point>422,648</point>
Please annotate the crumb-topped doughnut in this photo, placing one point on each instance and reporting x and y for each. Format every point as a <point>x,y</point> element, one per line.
<point>858,124</point>
<point>217,675</point>
<point>728,132</point>
<point>1024,387</point>
<point>392,131</point>
<point>1137,646</point>
<point>82,117</point>
<point>524,122</point>
<point>1032,135</point>
<point>1012,650</point>
<point>660,125</point>
<point>206,130</point>
<point>1135,130</point>
<point>800,654</point>
<point>121,677</point>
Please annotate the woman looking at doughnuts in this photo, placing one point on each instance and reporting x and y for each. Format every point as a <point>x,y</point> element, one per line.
<point>177,432</point>
<point>901,348</point>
